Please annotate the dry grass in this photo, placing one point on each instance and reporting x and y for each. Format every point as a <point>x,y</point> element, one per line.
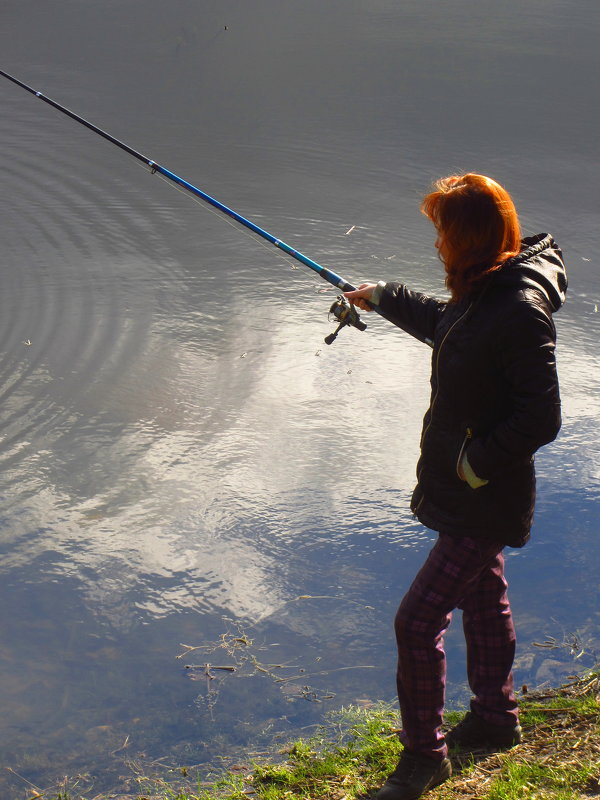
<point>562,736</point>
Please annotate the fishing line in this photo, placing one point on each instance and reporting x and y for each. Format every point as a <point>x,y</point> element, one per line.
<point>345,313</point>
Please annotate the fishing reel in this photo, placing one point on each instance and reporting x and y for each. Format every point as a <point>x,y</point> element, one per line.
<point>343,310</point>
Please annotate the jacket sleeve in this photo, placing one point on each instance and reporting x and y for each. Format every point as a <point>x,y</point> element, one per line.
<point>525,353</point>
<point>416,313</point>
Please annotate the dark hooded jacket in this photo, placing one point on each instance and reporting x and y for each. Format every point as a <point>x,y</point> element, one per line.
<point>494,393</point>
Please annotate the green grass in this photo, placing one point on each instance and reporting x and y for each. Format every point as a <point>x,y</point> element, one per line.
<point>315,769</point>
<point>533,713</point>
<point>517,780</point>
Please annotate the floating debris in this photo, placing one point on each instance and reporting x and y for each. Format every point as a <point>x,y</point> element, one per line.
<point>350,230</point>
<point>246,662</point>
<point>551,643</point>
<point>188,649</point>
<point>207,667</point>
<point>123,746</point>
<point>330,597</point>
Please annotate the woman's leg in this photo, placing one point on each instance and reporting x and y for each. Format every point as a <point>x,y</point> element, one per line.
<point>490,638</point>
<point>454,566</point>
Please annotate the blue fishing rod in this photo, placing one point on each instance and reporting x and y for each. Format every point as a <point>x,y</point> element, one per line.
<point>345,313</point>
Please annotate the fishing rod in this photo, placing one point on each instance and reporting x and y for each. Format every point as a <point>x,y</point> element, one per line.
<point>344,312</point>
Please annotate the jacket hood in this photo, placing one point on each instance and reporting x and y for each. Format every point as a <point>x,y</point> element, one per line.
<point>539,265</point>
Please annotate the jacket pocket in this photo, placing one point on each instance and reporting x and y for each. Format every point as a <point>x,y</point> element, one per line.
<point>470,478</point>
<point>463,447</point>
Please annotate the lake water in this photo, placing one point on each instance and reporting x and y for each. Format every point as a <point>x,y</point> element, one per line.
<point>184,462</point>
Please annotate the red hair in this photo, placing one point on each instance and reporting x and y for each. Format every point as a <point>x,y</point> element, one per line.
<point>478,227</point>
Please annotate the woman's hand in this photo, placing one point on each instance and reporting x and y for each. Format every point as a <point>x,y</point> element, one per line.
<point>360,296</point>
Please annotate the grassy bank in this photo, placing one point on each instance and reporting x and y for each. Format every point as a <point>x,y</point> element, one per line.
<point>350,756</point>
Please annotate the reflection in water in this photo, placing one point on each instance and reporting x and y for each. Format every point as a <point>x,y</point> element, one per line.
<point>183,458</point>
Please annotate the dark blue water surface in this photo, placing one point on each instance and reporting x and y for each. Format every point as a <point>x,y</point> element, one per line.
<point>184,462</point>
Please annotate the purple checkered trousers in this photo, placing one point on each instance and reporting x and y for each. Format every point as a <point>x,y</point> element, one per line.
<point>464,573</point>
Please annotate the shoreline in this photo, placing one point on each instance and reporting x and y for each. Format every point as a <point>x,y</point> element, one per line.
<point>355,748</point>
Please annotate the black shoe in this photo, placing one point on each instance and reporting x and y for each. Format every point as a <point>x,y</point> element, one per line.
<point>474,733</point>
<point>414,776</point>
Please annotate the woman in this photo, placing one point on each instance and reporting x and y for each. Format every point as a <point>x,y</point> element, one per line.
<point>494,402</point>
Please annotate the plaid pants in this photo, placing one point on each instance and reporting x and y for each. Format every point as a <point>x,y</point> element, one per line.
<point>460,573</point>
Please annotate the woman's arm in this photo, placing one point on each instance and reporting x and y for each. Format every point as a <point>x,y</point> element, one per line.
<point>416,313</point>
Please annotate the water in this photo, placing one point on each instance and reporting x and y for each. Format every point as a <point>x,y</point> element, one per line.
<point>183,459</point>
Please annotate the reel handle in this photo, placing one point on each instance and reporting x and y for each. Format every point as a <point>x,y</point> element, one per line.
<point>343,310</point>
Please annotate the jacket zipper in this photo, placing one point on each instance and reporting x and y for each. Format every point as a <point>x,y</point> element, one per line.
<point>437,380</point>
